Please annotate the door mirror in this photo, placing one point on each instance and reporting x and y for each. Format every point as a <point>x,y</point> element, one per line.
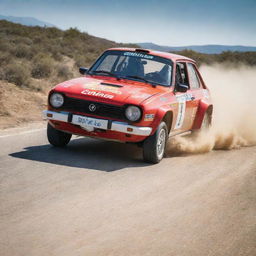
<point>83,70</point>
<point>181,87</point>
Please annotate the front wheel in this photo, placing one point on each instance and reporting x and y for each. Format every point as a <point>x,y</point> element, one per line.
<point>57,138</point>
<point>154,146</point>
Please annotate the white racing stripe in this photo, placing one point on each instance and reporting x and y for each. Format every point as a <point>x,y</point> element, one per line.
<point>22,133</point>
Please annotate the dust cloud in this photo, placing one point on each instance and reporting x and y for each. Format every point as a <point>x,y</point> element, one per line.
<point>233,91</point>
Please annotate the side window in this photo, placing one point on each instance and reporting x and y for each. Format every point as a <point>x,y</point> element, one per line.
<point>181,73</point>
<point>193,78</point>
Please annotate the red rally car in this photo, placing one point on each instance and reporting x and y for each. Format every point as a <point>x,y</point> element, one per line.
<point>131,95</point>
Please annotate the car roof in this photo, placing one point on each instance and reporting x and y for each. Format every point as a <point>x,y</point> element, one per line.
<point>167,55</point>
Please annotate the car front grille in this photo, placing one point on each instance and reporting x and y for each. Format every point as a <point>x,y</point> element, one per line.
<point>99,109</point>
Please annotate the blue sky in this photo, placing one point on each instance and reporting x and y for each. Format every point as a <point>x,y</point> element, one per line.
<point>166,22</point>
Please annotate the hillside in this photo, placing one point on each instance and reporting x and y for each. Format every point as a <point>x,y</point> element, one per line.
<point>28,53</point>
<point>34,59</point>
<point>208,49</point>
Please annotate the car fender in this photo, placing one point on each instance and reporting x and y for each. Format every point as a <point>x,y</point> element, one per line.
<point>164,112</point>
<point>203,108</point>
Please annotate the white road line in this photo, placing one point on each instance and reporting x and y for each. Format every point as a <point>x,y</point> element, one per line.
<point>21,133</point>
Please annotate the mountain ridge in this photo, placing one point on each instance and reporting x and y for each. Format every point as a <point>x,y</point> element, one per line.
<point>27,21</point>
<point>208,48</point>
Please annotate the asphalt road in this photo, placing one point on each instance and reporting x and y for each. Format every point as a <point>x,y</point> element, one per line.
<point>99,198</point>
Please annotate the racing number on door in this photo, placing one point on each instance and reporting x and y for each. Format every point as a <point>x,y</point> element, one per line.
<point>181,113</point>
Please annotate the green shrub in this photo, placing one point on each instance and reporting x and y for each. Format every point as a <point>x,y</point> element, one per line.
<point>5,58</point>
<point>72,33</point>
<point>85,60</point>
<point>64,72</point>
<point>17,74</point>
<point>55,52</point>
<point>6,46</point>
<point>80,60</point>
<point>23,51</point>
<point>3,45</point>
<point>43,66</point>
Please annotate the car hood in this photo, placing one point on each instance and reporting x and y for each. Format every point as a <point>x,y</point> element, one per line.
<point>109,90</point>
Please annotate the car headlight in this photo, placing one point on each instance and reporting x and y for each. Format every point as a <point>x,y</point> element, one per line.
<point>133,113</point>
<point>56,100</point>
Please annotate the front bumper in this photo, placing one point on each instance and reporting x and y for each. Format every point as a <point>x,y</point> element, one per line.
<point>89,123</point>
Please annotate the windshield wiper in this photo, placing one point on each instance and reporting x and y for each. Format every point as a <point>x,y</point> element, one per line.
<point>106,72</point>
<point>143,79</point>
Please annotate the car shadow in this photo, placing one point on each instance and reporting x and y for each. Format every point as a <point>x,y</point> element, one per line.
<point>86,153</point>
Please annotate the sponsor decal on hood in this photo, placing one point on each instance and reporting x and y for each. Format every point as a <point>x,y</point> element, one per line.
<point>97,94</point>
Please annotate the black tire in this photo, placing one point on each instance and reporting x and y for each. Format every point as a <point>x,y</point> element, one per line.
<point>57,138</point>
<point>153,152</point>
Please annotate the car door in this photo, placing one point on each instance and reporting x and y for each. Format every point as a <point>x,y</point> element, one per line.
<point>195,91</point>
<point>184,100</point>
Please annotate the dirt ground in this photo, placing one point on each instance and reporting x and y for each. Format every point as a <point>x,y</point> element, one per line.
<point>98,198</point>
<point>20,105</point>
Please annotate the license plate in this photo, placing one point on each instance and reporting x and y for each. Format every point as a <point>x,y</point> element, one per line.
<point>90,122</point>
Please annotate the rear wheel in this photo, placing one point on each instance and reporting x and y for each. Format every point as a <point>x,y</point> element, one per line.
<point>57,138</point>
<point>154,146</point>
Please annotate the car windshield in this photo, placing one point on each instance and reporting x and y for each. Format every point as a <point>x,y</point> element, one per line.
<point>138,66</point>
